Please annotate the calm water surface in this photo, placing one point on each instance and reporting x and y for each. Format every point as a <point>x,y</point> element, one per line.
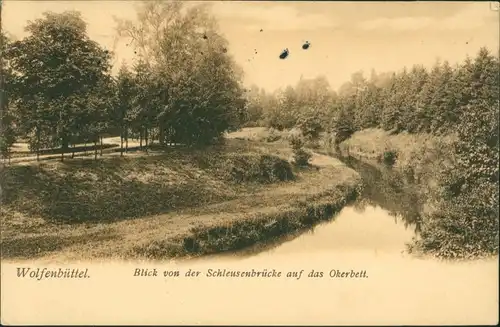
<point>369,235</point>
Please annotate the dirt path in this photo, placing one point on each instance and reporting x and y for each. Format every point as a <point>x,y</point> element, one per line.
<point>108,151</point>
<point>322,160</point>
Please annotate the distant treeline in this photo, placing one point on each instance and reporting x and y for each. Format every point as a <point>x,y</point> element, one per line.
<point>57,87</point>
<point>414,100</point>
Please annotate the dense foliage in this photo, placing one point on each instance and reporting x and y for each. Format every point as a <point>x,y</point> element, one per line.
<point>61,80</point>
<point>7,132</point>
<point>466,220</point>
<point>413,100</point>
<point>183,87</point>
<point>187,88</point>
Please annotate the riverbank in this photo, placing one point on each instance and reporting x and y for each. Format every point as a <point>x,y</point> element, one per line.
<point>416,159</point>
<point>172,204</point>
<point>458,221</point>
<point>416,154</point>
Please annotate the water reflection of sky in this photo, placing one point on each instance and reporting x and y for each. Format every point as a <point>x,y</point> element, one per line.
<point>400,289</point>
<point>372,230</point>
<point>370,236</point>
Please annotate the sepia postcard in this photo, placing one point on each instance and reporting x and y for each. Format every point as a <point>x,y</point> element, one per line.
<point>249,163</point>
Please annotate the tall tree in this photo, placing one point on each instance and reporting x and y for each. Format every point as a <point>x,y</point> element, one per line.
<point>123,106</point>
<point>7,132</point>
<point>193,83</point>
<point>397,103</point>
<point>58,69</point>
<point>255,97</point>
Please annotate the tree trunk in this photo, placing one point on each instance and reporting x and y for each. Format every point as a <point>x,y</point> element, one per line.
<point>101,145</point>
<point>95,149</point>
<point>126,140</point>
<point>37,144</point>
<point>146,138</point>
<point>121,143</point>
<point>161,135</point>
<point>140,139</point>
<point>64,146</point>
<point>73,152</point>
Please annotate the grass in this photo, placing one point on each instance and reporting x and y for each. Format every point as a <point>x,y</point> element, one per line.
<point>153,206</point>
<point>250,228</point>
<point>417,158</point>
<point>264,134</point>
<point>89,190</point>
<point>415,155</point>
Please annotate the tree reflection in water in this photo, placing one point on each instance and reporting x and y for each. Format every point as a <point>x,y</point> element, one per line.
<point>390,190</point>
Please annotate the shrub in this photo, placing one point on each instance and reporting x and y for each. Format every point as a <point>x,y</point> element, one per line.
<point>257,168</point>
<point>296,141</point>
<point>273,135</point>
<point>389,157</point>
<point>310,126</point>
<point>301,157</point>
<point>343,127</point>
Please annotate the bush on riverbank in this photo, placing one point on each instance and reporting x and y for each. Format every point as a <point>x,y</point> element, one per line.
<point>260,168</point>
<point>389,157</point>
<point>301,157</point>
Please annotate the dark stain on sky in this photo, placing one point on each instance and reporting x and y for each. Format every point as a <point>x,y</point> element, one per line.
<point>205,36</point>
<point>306,45</point>
<point>261,30</point>
<point>284,54</point>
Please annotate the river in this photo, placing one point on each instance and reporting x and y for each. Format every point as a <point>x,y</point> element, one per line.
<point>370,235</point>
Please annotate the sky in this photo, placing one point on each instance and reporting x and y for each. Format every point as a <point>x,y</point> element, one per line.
<point>345,37</point>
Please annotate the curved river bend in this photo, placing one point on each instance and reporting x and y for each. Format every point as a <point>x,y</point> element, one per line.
<point>370,236</point>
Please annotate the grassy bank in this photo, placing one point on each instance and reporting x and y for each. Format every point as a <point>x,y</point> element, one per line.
<point>167,204</point>
<point>417,159</point>
<point>135,186</point>
<point>253,227</point>
<point>417,156</point>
